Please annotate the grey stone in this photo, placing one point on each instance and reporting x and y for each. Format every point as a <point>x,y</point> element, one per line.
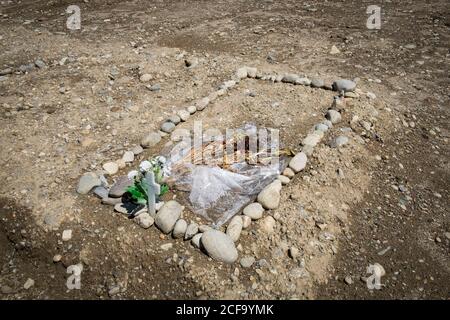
<point>191,231</point>
<point>155,87</point>
<point>201,104</point>
<point>317,83</point>
<point>247,262</point>
<point>137,150</point>
<point>120,187</point>
<point>184,115</point>
<point>334,116</point>
<point>150,140</point>
<point>269,197</point>
<point>175,119</point>
<point>219,246</point>
<point>321,127</point>
<point>254,211</point>
<point>168,215</point>
<point>191,109</point>
<point>234,228</point>
<point>101,192</point>
<point>290,78</point>
<point>196,240</point>
<point>339,142</point>
<point>39,63</point>
<point>128,156</point>
<point>343,85</point>
<point>88,181</point>
<point>144,220</point>
<point>179,229</point>
<point>298,163</point>
<point>167,127</point>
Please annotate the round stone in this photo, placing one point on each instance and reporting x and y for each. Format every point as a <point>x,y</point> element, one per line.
<point>174,119</point>
<point>184,115</point>
<point>288,172</point>
<point>344,85</point>
<point>196,240</point>
<point>339,142</point>
<point>254,211</point>
<point>168,215</point>
<point>334,116</point>
<point>150,140</point>
<point>284,180</point>
<point>191,109</point>
<point>246,222</point>
<point>167,127</point>
<point>317,83</point>
<point>219,246</point>
<point>298,163</point>
<point>202,103</point>
<point>144,220</point>
<point>179,229</point>
<point>269,197</point>
<point>268,224</point>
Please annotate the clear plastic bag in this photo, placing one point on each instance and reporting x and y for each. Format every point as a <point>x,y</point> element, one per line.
<point>217,193</point>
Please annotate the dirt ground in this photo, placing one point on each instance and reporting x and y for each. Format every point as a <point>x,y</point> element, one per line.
<point>383,198</point>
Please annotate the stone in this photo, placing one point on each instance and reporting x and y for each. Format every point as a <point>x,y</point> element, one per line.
<point>28,284</point>
<point>219,246</point>
<point>334,116</point>
<point>343,85</point>
<point>241,73</point>
<point>252,72</point>
<point>312,139</point>
<point>196,240</point>
<point>121,163</point>
<point>288,172</point>
<point>348,280</point>
<point>120,187</point>
<point>290,78</point>
<point>191,231</point>
<point>168,215</point>
<point>254,211</point>
<point>179,229</point>
<point>101,192</point>
<point>179,133</point>
<point>175,119</point>
<point>298,163</point>
<point>201,104</point>
<point>247,262</point>
<point>67,235</point>
<point>166,246</point>
<point>334,50</point>
<point>246,222</point>
<point>88,181</point>
<point>144,220</point>
<point>121,208</point>
<point>303,81</point>
<point>150,140</point>
<point>39,63</point>
<point>57,258</point>
<point>321,127</point>
<point>111,167</point>
<point>191,62</point>
<point>339,142</point>
<point>234,228</point>
<point>137,150</point>
<point>111,201</point>
<point>128,156</point>
<point>268,224</point>
<point>154,88</point>
<point>284,180</point>
<point>191,109</point>
<point>184,115</point>
<point>167,127</point>
<point>293,252</point>
<point>146,77</point>
<point>317,83</point>
<point>269,197</point>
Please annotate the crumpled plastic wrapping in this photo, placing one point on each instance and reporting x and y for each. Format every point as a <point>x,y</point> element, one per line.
<point>218,194</point>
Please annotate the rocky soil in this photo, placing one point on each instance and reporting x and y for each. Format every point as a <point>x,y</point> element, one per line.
<point>375,189</point>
